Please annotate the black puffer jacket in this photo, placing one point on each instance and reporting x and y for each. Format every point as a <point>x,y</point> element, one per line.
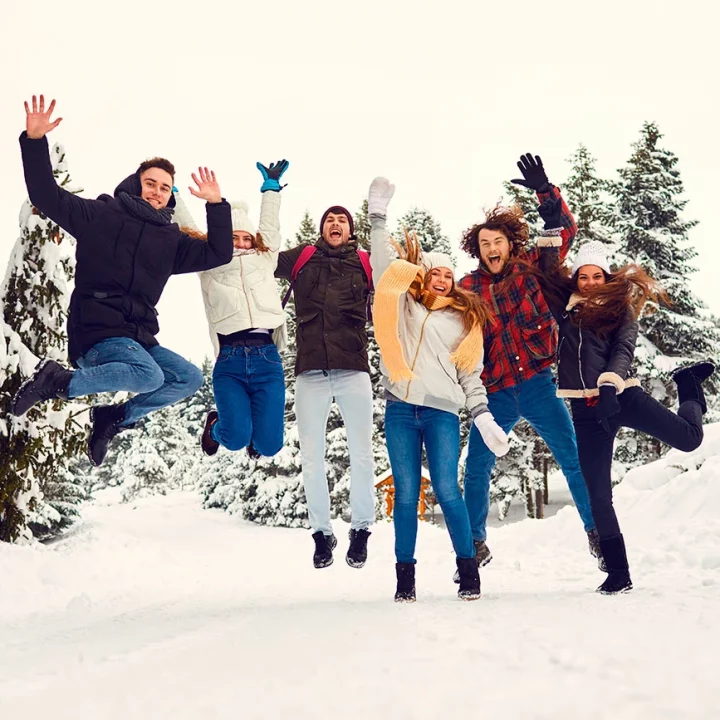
<point>123,262</point>
<point>330,304</point>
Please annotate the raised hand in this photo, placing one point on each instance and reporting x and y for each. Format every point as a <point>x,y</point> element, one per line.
<point>533,173</point>
<point>271,175</point>
<point>379,196</point>
<point>37,120</point>
<point>550,211</point>
<point>208,188</point>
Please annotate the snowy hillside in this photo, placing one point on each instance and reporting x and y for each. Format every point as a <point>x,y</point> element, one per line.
<point>163,610</point>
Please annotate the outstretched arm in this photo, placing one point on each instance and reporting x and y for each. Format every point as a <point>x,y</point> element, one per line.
<point>269,226</point>
<point>70,212</point>
<point>382,252</point>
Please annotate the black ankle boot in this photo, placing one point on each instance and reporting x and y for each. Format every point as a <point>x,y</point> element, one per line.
<point>595,551</point>
<point>324,546</point>
<point>689,383</point>
<point>106,421</point>
<point>469,578</point>
<point>357,551</point>
<point>49,381</point>
<point>208,443</point>
<point>618,579</point>
<point>405,573</point>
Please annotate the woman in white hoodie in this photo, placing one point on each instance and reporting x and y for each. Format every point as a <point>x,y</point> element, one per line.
<point>247,328</point>
<point>430,334</point>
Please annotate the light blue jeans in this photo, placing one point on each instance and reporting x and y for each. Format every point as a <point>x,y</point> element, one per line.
<point>315,391</point>
<point>159,376</point>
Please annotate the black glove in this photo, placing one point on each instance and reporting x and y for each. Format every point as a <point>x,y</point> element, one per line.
<point>271,175</point>
<point>607,406</point>
<point>550,211</point>
<point>534,173</point>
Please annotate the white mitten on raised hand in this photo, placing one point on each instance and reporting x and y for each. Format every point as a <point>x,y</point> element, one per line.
<point>492,434</point>
<point>379,196</point>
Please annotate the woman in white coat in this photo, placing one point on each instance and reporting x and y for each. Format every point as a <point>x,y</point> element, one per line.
<point>247,328</point>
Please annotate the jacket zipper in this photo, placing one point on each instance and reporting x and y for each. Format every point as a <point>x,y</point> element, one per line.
<point>247,300</point>
<point>582,379</point>
<point>417,352</point>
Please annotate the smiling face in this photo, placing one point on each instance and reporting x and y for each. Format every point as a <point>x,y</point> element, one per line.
<point>242,240</point>
<point>494,249</point>
<point>156,187</point>
<point>336,229</point>
<point>588,278</point>
<point>439,281</point>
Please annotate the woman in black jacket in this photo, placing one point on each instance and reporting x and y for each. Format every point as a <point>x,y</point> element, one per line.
<point>597,312</point>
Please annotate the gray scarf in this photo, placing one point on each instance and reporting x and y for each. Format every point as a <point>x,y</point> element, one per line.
<point>143,210</point>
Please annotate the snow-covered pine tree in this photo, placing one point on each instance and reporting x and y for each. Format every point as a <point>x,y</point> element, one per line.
<point>307,233</point>
<point>362,226</point>
<point>527,200</point>
<point>428,229</point>
<point>39,447</point>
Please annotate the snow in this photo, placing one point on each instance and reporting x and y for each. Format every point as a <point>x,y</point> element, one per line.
<point>158,608</point>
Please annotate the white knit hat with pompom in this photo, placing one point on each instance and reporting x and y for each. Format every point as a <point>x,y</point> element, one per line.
<point>591,253</point>
<point>240,219</point>
<point>438,260</point>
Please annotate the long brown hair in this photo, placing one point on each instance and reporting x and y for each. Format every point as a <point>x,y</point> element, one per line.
<point>510,221</point>
<point>604,308</point>
<point>474,310</point>
<point>258,242</point>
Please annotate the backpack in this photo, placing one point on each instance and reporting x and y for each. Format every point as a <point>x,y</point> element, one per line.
<point>308,252</point>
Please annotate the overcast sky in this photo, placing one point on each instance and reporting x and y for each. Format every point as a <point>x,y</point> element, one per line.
<point>440,97</point>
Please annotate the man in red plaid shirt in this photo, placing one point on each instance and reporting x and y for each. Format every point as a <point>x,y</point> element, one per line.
<point>520,346</point>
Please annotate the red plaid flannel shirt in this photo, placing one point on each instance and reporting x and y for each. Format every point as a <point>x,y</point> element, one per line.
<point>523,339</point>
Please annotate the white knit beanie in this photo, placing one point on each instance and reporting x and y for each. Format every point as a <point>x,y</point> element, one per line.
<point>591,253</point>
<point>438,260</point>
<point>240,219</point>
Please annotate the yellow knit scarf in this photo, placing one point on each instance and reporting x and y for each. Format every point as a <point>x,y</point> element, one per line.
<point>404,277</point>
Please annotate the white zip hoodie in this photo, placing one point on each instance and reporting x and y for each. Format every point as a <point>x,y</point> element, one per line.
<point>244,293</point>
<point>427,339</point>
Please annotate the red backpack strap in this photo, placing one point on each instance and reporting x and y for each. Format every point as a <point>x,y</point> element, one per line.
<point>367,268</point>
<point>305,254</point>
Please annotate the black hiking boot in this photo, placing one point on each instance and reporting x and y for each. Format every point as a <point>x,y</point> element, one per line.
<point>324,545</point>
<point>482,555</point>
<point>595,551</point>
<point>252,452</point>
<point>106,421</point>
<point>689,383</point>
<point>49,381</point>
<point>357,552</point>
<point>207,442</point>
<point>405,592</point>
<point>469,578</point>
<point>618,579</point>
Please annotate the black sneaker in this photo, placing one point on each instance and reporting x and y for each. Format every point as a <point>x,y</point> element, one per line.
<point>618,581</point>
<point>324,545</point>
<point>469,579</point>
<point>50,380</point>
<point>595,551</point>
<point>405,582</point>
<point>357,552</point>
<point>106,421</point>
<point>482,555</point>
<point>207,442</point>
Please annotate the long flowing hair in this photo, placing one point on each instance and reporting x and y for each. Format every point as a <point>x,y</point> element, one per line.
<point>510,221</point>
<point>474,310</point>
<point>257,242</point>
<point>604,308</point>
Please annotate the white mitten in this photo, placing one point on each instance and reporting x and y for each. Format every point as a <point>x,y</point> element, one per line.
<point>379,196</point>
<point>492,434</point>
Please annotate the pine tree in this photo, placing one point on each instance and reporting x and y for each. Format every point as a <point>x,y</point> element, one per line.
<point>429,232</point>
<point>307,233</point>
<point>527,200</point>
<point>362,226</point>
<point>36,450</point>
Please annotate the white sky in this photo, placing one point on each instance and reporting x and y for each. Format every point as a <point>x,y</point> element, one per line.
<point>441,98</point>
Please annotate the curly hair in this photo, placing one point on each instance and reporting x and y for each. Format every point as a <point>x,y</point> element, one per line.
<point>510,221</point>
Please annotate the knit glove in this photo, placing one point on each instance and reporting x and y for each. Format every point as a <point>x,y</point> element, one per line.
<point>271,175</point>
<point>533,173</point>
<point>607,406</point>
<point>379,196</point>
<point>492,434</point>
<point>551,212</point>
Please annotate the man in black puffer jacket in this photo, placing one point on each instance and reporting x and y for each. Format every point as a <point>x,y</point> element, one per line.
<point>127,248</point>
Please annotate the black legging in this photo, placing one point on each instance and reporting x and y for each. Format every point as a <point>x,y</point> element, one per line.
<point>639,411</point>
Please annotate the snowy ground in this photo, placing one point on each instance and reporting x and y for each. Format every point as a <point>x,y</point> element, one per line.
<point>163,610</point>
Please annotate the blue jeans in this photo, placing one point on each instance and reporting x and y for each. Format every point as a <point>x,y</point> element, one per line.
<point>536,401</point>
<point>407,427</point>
<point>249,387</point>
<point>160,376</point>
<point>314,392</point>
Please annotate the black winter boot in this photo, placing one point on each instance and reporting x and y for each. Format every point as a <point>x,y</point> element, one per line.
<point>357,552</point>
<point>252,452</point>
<point>50,380</point>
<point>469,578</point>
<point>595,551</point>
<point>405,582</point>
<point>106,421</point>
<point>482,555</point>
<point>324,545</point>
<point>618,579</point>
<point>689,383</point>
<point>207,441</point>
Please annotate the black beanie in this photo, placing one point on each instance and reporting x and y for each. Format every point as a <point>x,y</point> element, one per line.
<point>338,210</point>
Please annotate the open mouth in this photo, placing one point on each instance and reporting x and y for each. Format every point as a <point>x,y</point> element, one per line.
<point>495,261</point>
<point>439,289</point>
<point>335,233</point>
